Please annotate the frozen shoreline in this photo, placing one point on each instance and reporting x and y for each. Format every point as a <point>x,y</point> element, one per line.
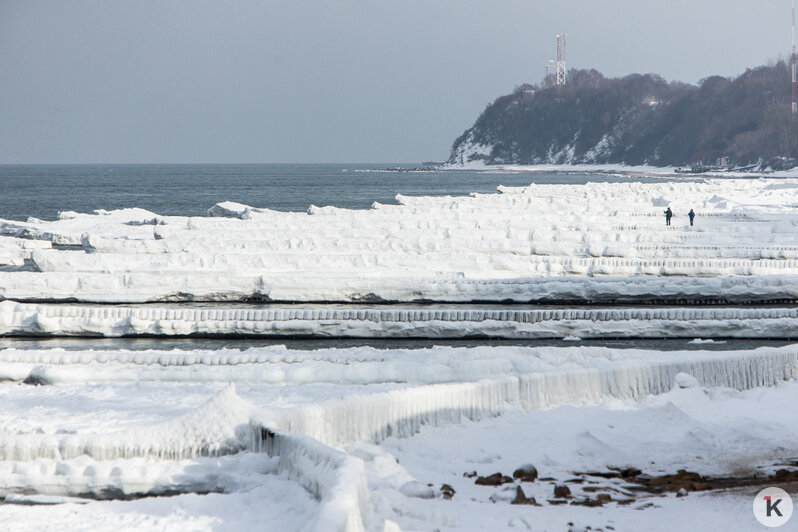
<point>356,439</point>
<point>384,322</point>
<point>592,243</point>
<point>619,169</point>
<point>343,450</point>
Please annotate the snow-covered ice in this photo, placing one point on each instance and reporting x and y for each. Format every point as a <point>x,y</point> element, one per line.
<point>328,426</point>
<point>380,321</point>
<point>367,439</point>
<point>586,243</point>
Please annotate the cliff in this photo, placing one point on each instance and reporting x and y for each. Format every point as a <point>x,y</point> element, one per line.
<point>639,119</point>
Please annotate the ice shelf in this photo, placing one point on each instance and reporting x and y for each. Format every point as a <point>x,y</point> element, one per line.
<point>607,242</point>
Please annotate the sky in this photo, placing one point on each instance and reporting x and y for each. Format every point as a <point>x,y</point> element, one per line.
<point>269,81</point>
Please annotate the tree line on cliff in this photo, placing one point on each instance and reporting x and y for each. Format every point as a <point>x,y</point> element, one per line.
<point>639,119</point>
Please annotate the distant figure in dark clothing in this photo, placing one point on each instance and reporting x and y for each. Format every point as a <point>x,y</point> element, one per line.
<point>691,214</point>
<point>668,216</point>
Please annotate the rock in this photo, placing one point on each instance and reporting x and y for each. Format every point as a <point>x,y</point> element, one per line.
<point>785,475</point>
<point>521,498</point>
<point>681,493</point>
<point>526,473</point>
<point>604,497</point>
<point>506,494</point>
<point>447,491</point>
<point>590,503</point>
<point>470,474</point>
<point>496,479</point>
<point>561,491</point>
<point>683,479</point>
<point>629,472</point>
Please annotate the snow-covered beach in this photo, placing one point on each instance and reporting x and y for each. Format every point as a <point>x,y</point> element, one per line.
<point>363,438</point>
<point>353,439</point>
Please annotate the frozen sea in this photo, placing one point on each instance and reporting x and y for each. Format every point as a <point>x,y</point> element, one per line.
<point>42,191</point>
<point>388,434</point>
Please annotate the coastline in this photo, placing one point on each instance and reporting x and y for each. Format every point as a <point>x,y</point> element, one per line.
<point>631,171</point>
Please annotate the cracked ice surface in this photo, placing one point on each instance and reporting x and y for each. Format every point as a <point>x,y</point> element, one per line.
<point>592,242</point>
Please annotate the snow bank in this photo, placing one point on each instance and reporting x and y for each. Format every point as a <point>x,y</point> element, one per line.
<point>601,240</point>
<point>304,437</point>
<point>359,367</point>
<point>714,432</point>
<point>310,287</point>
<point>73,320</point>
<point>402,413</point>
<point>335,478</point>
<point>130,478</point>
<point>217,428</point>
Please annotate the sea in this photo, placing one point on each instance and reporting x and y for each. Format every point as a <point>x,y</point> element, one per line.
<point>42,191</point>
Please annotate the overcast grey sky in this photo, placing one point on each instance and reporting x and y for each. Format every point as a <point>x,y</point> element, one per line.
<point>327,80</point>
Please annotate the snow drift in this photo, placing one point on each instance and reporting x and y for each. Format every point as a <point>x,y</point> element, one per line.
<point>607,243</point>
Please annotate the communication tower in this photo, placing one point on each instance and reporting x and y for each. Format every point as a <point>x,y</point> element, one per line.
<point>792,63</point>
<point>549,65</point>
<point>561,59</point>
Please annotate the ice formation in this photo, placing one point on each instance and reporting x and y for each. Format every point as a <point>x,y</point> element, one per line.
<point>238,422</point>
<point>211,430</point>
<point>375,321</point>
<point>439,387</point>
<point>598,242</point>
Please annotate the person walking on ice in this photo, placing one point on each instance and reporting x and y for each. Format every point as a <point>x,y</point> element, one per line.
<point>691,214</point>
<point>668,216</point>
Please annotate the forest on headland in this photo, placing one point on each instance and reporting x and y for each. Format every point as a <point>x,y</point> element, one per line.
<point>640,119</point>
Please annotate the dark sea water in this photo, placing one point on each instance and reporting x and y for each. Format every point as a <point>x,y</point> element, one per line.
<point>42,191</point>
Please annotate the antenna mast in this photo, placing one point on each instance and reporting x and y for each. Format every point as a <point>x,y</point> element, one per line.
<point>548,65</point>
<point>561,59</point>
<point>792,63</point>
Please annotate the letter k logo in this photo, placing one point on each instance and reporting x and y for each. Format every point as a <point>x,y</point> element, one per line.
<point>772,506</point>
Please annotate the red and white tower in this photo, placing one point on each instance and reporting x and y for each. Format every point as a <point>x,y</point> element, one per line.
<point>792,64</point>
<point>561,60</point>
